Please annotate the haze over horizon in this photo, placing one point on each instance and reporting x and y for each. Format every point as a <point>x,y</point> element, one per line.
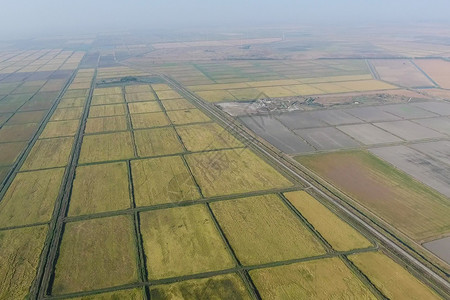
<point>25,19</point>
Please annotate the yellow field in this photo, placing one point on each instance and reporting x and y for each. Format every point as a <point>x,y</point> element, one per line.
<point>304,89</point>
<point>107,110</point>
<point>318,279</point>
<point>216,96</point>
<point>72,102</point>
<point>100,188</point>
<point>104,147</point>
<point>138,88</point>
<point>188,116</point>
<point>330,88</point>
<point>144,107</point>
<point>228,286</point>
<point>148,120</point>
<point>49,153</point>
<point>107,99</point>
<point>220,86</point>
<point>160,87</point>
<point>277,91</point>
<point>182,241</point>
<point>227,172</point>
<point>177,104</point>
<point>247,94</point>
<point>206,137</point>
<point>340,235</point>
<point>30,198</point>
<point>336,78</point>
<point>135,294</point>
<point>102,256</point>
<point>137,97</point>
<point>60,129</point>
<point>366,85</point>
<point>114,123</point>
<point>262,229</point>
<point>63,114</point>
<point>169,94</point>
<point>158,141</point>
<point>20,250</point>
<point>162,180</point>
<point>400,284</point>
<point>107,91</point>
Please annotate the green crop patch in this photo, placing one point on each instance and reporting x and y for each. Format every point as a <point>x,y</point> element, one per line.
<point>318,279</point>
<point>30,198</point>
<point>149,120</point>
<point>49,153</point>
<point>9,152</point>
<point>106,147</point>
<point>181,241</point>
<point>17,133</point>
<point>158,141</point>
<point>63,114</point>
<point>107,110</point>
<point>27,117</point>
<point>105,124</point>
<point>96,254</point>
<point>262,229</point>
<point>162,180</point>
<point>20,250</point>
<point>60,129</point>
<point>107,99</point>
<point>227,172</point>
<point>144,107</point>
<point>177,104</point>
<point>100,188</point>
<point>188,116</point>
<point>209,136</point>
<point>229,286</point>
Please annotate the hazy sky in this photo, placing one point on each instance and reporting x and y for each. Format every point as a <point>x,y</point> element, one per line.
<point>42,17</point>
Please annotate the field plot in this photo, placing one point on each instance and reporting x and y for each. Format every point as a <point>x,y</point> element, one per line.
<point>3,173</point>
<point>107,99</point>
<point>441,125</point>
<point>408,130</point>
<point>107,91</point>
<point>440,248</point>
<point>60,129</point>
<point>369,134</point>
<point>135,294</point>
<point>277,92</point>
<point>27,117</point>
<point>30,198</point>
<point>216,96</point>
<point>20,250</point>
<point>138,88</point>
<point>336,117</point>
<point>149,120</point>
<point>330,88</point>
<point>228,286</point>
<point>177,104</point>
<point>187,116</point>
<point>366,85</point>
<point>227,172</point>
<point>371,114</point>
<point>327,138</point>
<point>138,97</point>
<point>398,285</point>
<point>107,110</point>
<point>49,153</point>
<point>395,197</point>
<point>262,230</point>
<point>438,150</point>
<point>401,72</point>
<point>168,94</point>
<point>422,167</point>
<point>104,147</point>
<point>207,136</point>
<point>144,107</point>
<point>17,133</point>
<point>304,89</point>
<point>162,180</point>
<point>296,120</point>
<point>161,87</point>
<point>72,102</point>
<point>407,111</point>
<point>182,241</point>
<point>277,134</point>
<point>319,279</point>
<point>95,254</point>
<point>100,188</point>
<point>440,108</point>
<point>159,141</point>
<point>63,114</point>
<point>437,69</point>
<point>247,94</point>
<point>340,235</point>
<point>105,124</point>
<point>9,152</point>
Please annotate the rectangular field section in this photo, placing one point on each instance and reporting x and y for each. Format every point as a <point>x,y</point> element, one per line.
<point>49,153</point>
<point>104,147</point>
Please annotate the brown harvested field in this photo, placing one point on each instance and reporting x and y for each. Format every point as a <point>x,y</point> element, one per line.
<point>49,153</point>
<point>30,198</point>
<point>60,129</point>
<point>96,254</point>
<point>144,107</point>
<point>182,241</point>
<point>100,188</point>
<point>206,136</point>
<point>107,99</point>
<point>17,133</point>
<point>139,97</point>
<point>401,72</point>
<point>149,120</point>
<point>327,278</point>
<point>9,152</point>
<point>106,147</point>
<point>63,114</point>
<point>107,110</point>
<point>234,171</point>
<point>229,286</point>
<point>168,94</point>
<point>20,250</point>
<point>177,104</point>
<point>393,196</point>
<point>262,229</point>
<point>158,141</point>
<point>400,284</point>
<point>105,124</point>
<point>340,235</point>
<point>188,116</point>
<point>437,69</point>
<point>27,117</point>
<point>162,180</point>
